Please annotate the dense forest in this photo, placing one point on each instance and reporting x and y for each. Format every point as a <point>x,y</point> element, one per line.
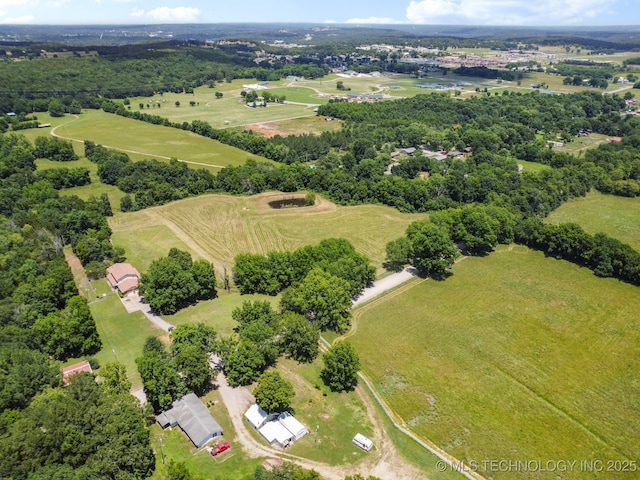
<point>86,430</point>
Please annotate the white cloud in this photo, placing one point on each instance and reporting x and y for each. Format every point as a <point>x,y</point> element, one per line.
<point>137,12</point>
<point>23,19</point>
<point>178,14</point>
<point>505,12</point>
<point>16,3</point>
<point>376,20</point>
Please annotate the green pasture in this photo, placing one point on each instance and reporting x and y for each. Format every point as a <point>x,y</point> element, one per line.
<point>219,227</point>
<point>151,141</point>
<point>578,144</point>
<point>618,217</point>
<point>299,94</point>
<point>515,356</point>
<point>228,111</point>
<point>95,188</point>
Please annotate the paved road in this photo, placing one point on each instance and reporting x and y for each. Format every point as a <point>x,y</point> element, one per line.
<point>133,303</point>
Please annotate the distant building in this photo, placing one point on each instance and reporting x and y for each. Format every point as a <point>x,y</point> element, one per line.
<point>71,370</point>
<point>123,277</point>
<point>193,418</point>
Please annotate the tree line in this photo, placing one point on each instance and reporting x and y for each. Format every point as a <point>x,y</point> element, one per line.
<point>433,245</point>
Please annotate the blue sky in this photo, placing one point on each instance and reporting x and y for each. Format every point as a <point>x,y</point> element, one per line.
<point>444,12</point>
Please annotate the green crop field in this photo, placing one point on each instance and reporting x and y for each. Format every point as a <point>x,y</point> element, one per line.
<point>516,357</point>
<point>218,227</point>
<point>618,217</point>
<point>151,141</point>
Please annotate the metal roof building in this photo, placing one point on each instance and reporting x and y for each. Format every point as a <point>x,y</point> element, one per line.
<point>190,414</point>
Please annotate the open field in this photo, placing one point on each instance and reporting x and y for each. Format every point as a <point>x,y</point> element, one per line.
<point>154,141</point>
<point>218,227</point>
<point>230,110</point>
<point>217,312</point>
<point>122,334</point>
<point>618,217</point>
<point>296,126</point>
<point>538,360</point>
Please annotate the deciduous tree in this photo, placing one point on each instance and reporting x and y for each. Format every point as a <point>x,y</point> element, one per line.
<point>341,365</point>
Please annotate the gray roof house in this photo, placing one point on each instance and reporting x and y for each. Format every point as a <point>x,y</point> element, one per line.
<point>190,414</point>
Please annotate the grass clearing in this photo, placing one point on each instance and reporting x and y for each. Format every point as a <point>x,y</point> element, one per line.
<point>228,111</point>
<point>615,216</point>
<point>217,312</point>
<point>123,334</point>
<point>536,361</point>
<point>332,418</point>
<point>152,141</point>
<point>218,227</point>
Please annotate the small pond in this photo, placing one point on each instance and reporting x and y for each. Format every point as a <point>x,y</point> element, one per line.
<point>287,203</point>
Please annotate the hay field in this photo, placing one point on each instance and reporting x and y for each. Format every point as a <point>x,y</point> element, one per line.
<point>151,141</point>
<point>218,227</point>
<point>515,357</point>
<point>618,217</point>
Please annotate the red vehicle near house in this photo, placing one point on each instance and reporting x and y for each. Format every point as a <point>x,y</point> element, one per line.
<point>219,448</point>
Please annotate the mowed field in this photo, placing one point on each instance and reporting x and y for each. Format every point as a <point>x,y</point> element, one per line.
<point>618,217</point>
<point>515,357</point>
<point>218,227</point>
<point>229,110</point>
<point>144,140</point>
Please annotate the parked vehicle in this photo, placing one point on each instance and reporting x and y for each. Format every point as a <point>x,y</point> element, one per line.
<point>219,448</point>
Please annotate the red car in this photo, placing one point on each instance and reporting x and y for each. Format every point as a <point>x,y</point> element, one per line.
<point>219,448</point>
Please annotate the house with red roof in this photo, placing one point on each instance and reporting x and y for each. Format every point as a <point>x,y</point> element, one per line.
<point>124,277</point>
<point>71,370</point>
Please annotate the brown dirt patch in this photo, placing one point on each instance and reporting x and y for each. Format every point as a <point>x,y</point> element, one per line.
<point>80,279</point>
<point>267,130</point>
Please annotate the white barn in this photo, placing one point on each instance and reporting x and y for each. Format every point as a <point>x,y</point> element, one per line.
<point>277,429</point>
<point>289,422</point>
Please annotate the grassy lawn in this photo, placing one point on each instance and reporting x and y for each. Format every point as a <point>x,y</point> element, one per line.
<point>217,312</point>
<point>532,166</point>
<point>151,141</point>
<point>123,334</point>
<point>299,94</point>
<point>618,217</point>
<point>537,360</point>
<point>336,416</point>
<point>218,227</point>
